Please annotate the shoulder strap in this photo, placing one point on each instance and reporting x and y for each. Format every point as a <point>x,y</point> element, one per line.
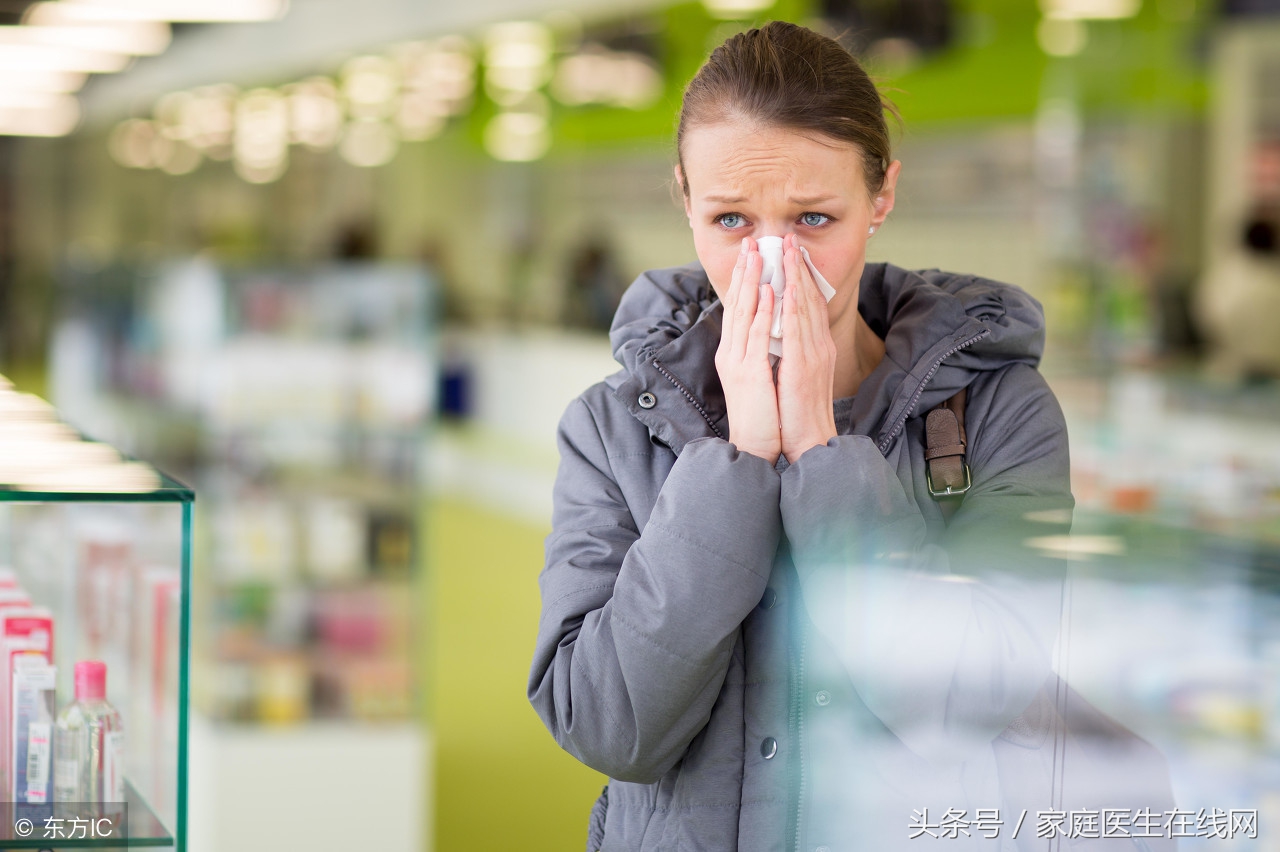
<point>946,469</point>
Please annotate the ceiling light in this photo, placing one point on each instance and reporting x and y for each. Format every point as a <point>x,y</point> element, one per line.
<point>189,11</point>
<point>139,38</point>
<point>56,119</point>
<point>1090,10</point>
<point>64,82</point>
<point>61,24</point>
<point>368,143</point>
<point>370,84</point>
<point>517,59</point>
<point>315,113</point>
<point>210,116</point>
<point>42,58</point>
<point>261,136</point>
<point>598,75</point>
<point>730,9</point>
<point>26,99</point>
<point>446,69</point>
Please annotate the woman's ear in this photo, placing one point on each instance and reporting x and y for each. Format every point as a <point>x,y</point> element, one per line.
<point>684,194</point>
<point>883,203</point>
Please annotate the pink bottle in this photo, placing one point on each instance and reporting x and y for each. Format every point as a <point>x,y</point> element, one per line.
<point>88,743</point>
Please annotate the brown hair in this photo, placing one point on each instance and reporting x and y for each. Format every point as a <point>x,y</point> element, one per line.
<point>785,75</point>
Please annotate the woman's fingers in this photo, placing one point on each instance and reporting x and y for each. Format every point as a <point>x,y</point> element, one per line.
<point>735,282</point>
<point>807,371</point>
<point>741,312</point>
<point>757,346</point>
<point>751,400</point>
<point>804,315</point>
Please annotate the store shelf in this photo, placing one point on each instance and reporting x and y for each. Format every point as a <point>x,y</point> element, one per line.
<point>144,829</point>
<point>96,551</point>
<point>170,491</point>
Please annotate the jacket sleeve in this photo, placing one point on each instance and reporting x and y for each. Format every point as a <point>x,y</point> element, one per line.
<point>637,626</point>
<point>946,643</point>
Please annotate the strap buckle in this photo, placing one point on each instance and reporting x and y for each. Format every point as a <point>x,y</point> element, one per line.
<point>949,491</point>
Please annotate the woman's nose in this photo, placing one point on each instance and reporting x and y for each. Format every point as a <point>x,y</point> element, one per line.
<point>774,230</point>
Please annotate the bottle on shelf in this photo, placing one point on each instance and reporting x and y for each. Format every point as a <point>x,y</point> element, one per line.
<point>88,742</point>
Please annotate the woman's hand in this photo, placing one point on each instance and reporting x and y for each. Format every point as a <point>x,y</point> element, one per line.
<point>742,359</point>
<point>806,374</point>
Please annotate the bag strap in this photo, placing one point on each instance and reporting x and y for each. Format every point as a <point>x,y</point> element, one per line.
<point>946,469</point>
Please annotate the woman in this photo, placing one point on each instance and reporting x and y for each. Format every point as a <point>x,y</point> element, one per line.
<point>751,621</point>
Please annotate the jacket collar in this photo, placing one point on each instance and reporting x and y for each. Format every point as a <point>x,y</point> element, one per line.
<point>939,330</point>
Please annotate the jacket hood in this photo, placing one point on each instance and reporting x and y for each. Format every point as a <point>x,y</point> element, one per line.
<point>939,329</point>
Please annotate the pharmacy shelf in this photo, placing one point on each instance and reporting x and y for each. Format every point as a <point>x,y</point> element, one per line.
<point>144,828</point>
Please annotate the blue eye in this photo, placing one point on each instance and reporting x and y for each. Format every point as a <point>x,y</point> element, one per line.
<point>815,220</point>
<point>730,220</point>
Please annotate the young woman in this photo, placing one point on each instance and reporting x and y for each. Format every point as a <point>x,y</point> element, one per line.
<point>756,619</point>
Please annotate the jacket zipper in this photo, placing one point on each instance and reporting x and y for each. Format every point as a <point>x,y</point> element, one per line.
<point>798,710</point>
<point>883,446</point>
<point>692,401</point>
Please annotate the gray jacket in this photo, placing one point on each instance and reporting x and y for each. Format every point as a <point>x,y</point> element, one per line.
<point>768,657</point>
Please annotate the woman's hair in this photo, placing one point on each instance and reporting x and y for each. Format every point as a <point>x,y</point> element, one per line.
<point>783,75</point>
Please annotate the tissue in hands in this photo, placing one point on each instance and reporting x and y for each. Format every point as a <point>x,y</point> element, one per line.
<point>772,274</point>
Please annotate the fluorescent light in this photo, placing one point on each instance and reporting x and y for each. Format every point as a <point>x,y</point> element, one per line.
<point>20,99</point>
<point>64,82</point>
<point>31,57</point>
<point>59,118</point>
<point>1090,10</point>
<point>730,9</point>
<point>190,11</point>
<point>140,38</point>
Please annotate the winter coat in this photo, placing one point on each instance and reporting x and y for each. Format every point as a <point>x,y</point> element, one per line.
<point>769,657</point>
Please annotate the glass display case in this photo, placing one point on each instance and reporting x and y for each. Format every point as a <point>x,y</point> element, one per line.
<point>296,400</point>
<point>94,566</point>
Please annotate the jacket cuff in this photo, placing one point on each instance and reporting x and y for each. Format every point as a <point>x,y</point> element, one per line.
<point>723,501</point>
<point>842,503</point>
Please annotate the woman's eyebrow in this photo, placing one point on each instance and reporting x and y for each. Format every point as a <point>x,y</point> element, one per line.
<point>804,200</point>
<point>799,200</point>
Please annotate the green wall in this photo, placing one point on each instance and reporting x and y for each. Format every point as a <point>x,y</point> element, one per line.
<point>501,782</point>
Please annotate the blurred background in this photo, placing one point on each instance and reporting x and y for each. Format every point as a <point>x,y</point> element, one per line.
<point>340,265</point>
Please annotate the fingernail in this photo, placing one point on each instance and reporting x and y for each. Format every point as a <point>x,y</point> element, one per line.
<point>765,288</point>
<point>743,252</point>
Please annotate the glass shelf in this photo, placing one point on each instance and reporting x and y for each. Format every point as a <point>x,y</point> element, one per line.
<point>144,827</point>
<point>95,564</point>
<point>170,491</point>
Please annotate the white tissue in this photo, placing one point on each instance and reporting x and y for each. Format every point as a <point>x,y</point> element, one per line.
<point>772,274</point>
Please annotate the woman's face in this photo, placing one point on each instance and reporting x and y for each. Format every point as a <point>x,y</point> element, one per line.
<point>743,179</point>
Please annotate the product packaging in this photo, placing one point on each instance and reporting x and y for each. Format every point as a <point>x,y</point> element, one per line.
<point>34,708</point>
<point>13,649</point>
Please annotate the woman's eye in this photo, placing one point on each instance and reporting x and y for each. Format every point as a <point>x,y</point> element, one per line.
<point>815,220</point>
<point>730,220</point>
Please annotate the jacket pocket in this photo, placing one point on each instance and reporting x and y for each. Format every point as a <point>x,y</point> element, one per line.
<point>595,824</point>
